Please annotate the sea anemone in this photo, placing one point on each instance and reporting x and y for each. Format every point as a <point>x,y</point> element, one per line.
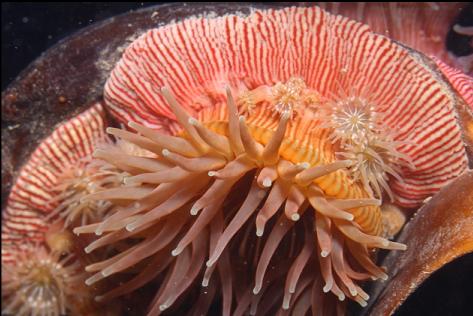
<point>50,186</point>
<point>251,156</point>
<point>85,177</point>
<point>39,282</point>
<point>222,157</point>
<point>357,126</point>
<point>31,200</point>
<point>271,137</point>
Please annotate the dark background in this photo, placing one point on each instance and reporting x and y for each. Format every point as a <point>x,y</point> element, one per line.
<point>29,28</point>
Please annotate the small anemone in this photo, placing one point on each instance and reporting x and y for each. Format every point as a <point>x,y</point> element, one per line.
<point>91,175</point>
<point>39,282</point>
<point>292,97</point>
<point>33,194</point>
<point>353,120</point>
<point>357,127</point>
<point>374,161</point>
<point>87,177</point>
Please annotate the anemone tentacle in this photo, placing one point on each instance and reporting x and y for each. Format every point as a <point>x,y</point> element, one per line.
<point>192,223</point>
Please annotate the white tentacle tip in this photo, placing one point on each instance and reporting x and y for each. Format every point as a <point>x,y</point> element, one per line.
<point>327,288</point>
<point>285,305</point>
<point>175,252</point>
<point>130,227</point>
<point>98,298</point>
<point>212,173</point>
<point>259,232</point>
<point>193,121</point>
<point>90,281</point>
<point>241,118</point>
<point>295,217</point>
<point>166,152</point>
<point>256,290</point>
<point>341,297</point>
<point>364,296</point>
<point>353,292</point>
<point>107,272</point>
<point>324,253</point>
<point>88,249</point>
<point>126,181</point>
<point>163,307</point>
<point>363,303</point>
<point>267,182</point>
<point>205,282</point>
<point>194,210</point>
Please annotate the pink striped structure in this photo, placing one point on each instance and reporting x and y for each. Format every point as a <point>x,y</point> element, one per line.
<point>23,218</point>
<point>422,26</point>
<point>462,83</point>
<point>197,58</point>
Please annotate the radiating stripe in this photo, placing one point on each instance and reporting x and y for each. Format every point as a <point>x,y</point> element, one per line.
<point>196,58</point>
<point>28,202</point>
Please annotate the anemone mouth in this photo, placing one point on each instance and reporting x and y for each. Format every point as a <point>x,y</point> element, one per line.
<point>216,197</point>
<point>40,282</point>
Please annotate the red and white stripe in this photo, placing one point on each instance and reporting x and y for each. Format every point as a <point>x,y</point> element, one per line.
<point>28,202</point>
<point>461,82</point>
<point>198,57</point>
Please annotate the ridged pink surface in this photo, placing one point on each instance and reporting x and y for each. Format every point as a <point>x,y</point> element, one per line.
<point>198,57</point>
<point>28,202</point>
<point>462,83</point>
<point>419,25</point>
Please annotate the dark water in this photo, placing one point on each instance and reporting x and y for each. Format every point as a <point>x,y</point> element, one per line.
<point>28,29</point>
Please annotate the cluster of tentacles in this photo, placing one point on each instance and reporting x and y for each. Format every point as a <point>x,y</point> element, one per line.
<point>86,177</point>
<point>39,282</point>
<point>196,199</point>
<point>358,127</point>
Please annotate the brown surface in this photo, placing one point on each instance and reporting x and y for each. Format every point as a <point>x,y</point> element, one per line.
<point>441,231</point>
